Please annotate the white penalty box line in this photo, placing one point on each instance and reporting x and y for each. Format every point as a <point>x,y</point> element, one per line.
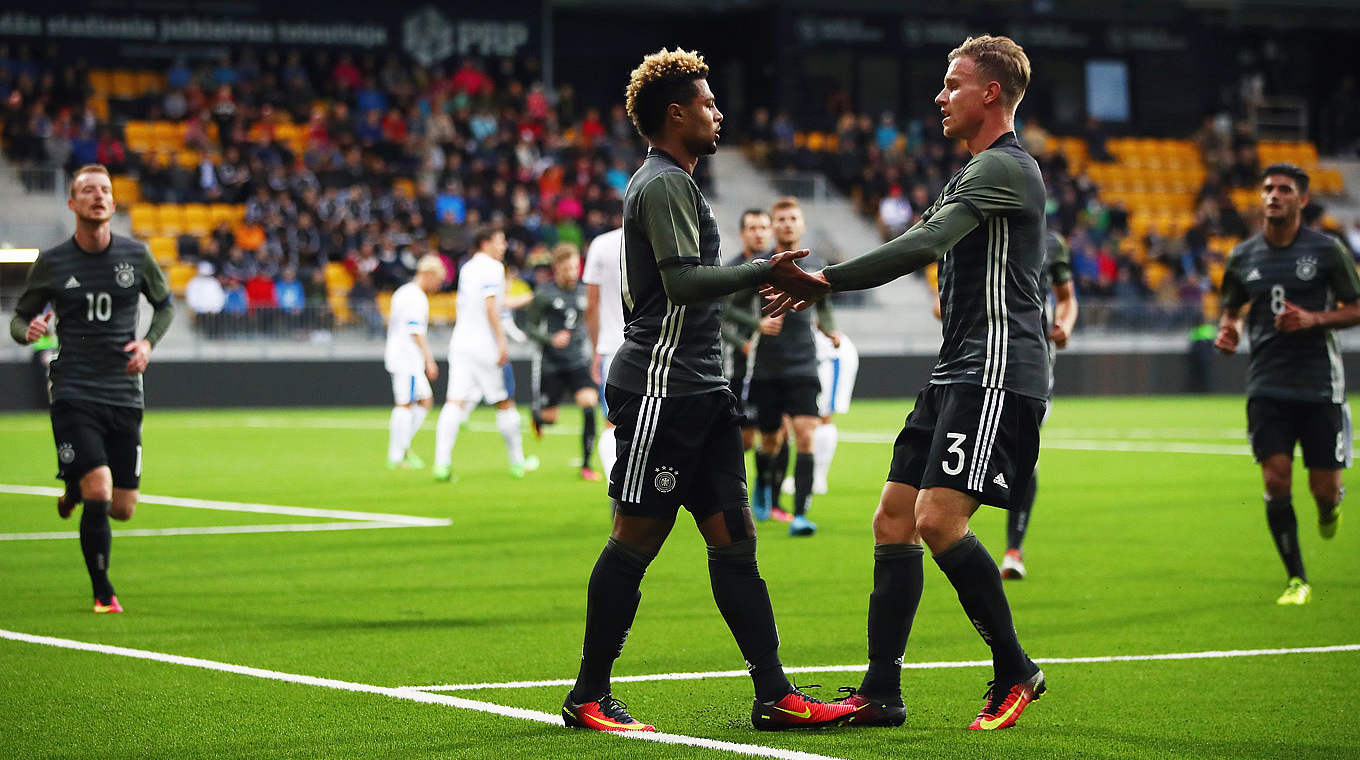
<point>697,676</point>
<point>407,694</point>
<point>349,520</point>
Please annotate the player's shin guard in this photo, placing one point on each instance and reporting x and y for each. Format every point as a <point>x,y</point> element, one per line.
<point>611,603</point>
<point>1017,517</point>
<point>446,433</point>
<point>398,433</point>
<point>978,583</point>
<point>608,451</point>
<point>899,576</point>
<point>507,421</point>
<point>824,450</point>
<point>1284,528</point>
<point>802,483</point>
<point>587,434</point>
<point>96,539</point>
<point>744,603</point>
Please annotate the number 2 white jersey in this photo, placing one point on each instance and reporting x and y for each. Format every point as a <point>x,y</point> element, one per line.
<point>480,278</point>
<point>409,315</point>
<point>602,269</point>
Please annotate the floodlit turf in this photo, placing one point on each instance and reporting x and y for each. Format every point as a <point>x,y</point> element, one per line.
<point>1158,550</point>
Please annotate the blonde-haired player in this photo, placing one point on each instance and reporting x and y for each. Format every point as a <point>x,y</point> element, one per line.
<point>410,362</point>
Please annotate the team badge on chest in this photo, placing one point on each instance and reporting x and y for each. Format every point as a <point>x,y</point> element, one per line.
<point>125,275</point>
<point>1306,269</point>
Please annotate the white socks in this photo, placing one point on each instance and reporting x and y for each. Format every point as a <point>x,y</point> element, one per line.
<point>508,421</point>
<point>608,450</point>
<point>398,433</point>
<point>418,414</point>
<point>823,450</point>
<point>446,433</point>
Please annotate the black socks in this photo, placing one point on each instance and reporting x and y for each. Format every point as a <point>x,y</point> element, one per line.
<point>611,604</point>
<point>1017,517</point>
<point>898,579</point>
<point>978,582</point>
<point>802,482</point>
<point>779,470</point>
<point>587,434</point>
<point>744,603</point>
<point>1284,528</point>
<point>96,538</point>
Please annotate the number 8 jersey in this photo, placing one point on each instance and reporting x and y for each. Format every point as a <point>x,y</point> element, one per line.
<point>95,298</point>
<point>1314,273</point>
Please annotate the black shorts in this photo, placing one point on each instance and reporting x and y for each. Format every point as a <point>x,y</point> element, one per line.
<point>775,397</point>
<point>90,435</point>
<point>677,451</point>
<point>551,384</point>
<point>981,441</point>
<point>1321,429</point>
<point>747,412</point>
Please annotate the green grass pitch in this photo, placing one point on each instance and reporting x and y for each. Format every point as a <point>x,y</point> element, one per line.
<point>1148,538</point>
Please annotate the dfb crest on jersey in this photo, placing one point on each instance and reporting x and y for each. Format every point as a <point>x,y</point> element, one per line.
<point>1306,269</point>
<point>124,274</point>
<point>665,479</point>
<point>66,453</point>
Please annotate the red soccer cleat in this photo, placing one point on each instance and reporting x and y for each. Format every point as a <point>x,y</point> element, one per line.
<point>104,609</point>
<point>1004,706</point>
<point>591,475</point>
<point>871,711</point>
<point>778,514</point>
<point>798,710</point>
<point>608,714</point>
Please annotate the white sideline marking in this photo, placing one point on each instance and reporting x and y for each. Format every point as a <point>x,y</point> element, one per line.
<point>905,666</point>
<point>411,695</point>
<point>354,520</point>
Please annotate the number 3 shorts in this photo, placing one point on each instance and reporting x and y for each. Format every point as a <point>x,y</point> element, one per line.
<point>981,441</point>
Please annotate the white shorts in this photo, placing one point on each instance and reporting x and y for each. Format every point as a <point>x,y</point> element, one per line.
<point>837,374</point>
<point>473,380</point>
<point>407,389</point>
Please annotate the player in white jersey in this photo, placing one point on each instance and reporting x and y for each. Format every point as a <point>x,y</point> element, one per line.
<point>604,321</point>
<point>410,362</point>
<point>837,368</point>
<point>479,362</point>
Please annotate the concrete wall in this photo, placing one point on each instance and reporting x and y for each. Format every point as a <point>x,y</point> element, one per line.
<point>182,384</point>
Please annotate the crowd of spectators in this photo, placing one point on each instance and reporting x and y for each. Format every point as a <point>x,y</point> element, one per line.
<point>398,161</point>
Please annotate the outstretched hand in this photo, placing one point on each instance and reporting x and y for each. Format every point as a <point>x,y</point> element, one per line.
<point>790,287</point>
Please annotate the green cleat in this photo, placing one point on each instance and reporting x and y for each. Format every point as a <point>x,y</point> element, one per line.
<point>443,474</point>
<point>1329,524</point>
<point>392,465</point>
<point>412,462</point>
<point>529,464</point>
<point>1297,592</point>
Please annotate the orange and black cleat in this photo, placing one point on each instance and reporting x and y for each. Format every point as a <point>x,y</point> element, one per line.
<point>1004,704</point>
<point>873,711</point>
<point>104,609</point>
<point>798,710</point>
<point>607,714</point>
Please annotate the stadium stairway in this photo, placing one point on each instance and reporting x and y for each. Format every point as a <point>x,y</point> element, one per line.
<point>30,220</point>
<point>891,319</point>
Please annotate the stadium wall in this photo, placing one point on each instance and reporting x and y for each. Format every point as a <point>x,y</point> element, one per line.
<point>198,384</point>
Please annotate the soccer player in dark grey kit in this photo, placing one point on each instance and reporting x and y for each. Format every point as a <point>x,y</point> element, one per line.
<point>1295,285</point>
<point>678,432</point>
<point>973,435</point>
<point>554,320</point>
<point>93,282</point>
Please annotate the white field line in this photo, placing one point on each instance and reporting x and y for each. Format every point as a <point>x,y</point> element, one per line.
<point>411,695</point>
<point>353,520</point>
<point>1212,655</point>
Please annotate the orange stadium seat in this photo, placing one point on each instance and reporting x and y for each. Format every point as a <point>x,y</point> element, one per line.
<point>99,104</point>
<point>101,82</point>
<point>150,82</point>
<point>126,191</point>
<point>124,84</point>
<point>166,135</point>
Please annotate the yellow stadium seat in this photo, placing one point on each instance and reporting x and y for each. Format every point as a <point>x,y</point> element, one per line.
<point>101,82</point>
<point>221,212</point>
<point>170,218</point>
<point>138,137</point>
<point>126,191</point>
<point>150,82</point>
<point>165,136</point>
<point>385,304</point>
<point>197,220</point>
<point>188,159</point>
<point>340,307</point>
<point>180,274</point>
<point>443,308</point>
<point>145,220</point>
<point>338,278</point>
<point>124,84</point>
<point>100,106</point>
<point>164,249</point>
